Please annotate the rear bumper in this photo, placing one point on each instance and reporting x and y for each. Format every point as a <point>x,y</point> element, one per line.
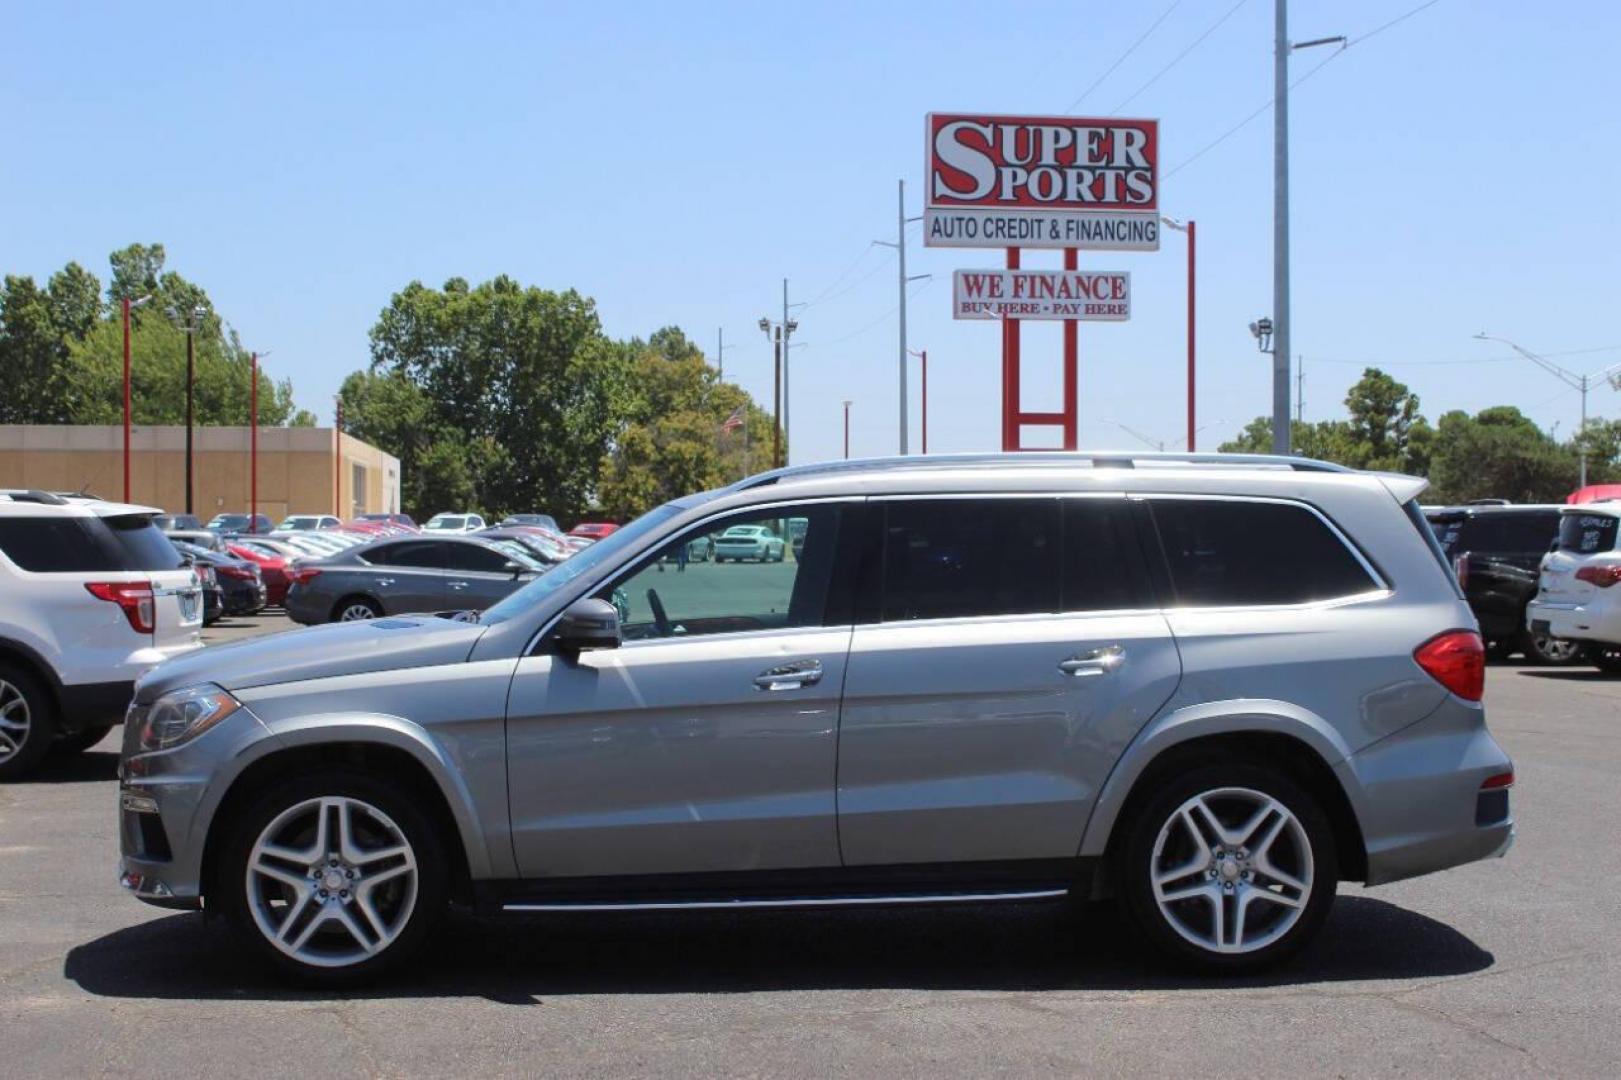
<point>1600,621</point>
<point>87,705</point>
<point>1419,799</point>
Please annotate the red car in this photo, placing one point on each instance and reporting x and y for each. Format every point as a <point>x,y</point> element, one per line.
<point>594,530</point>
<point>272,568</point>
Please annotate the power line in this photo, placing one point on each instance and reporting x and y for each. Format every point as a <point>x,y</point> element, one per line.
<point>879,321</point>
<point>856,284</point>
<point>1177,59</point>
<point>1121,59</point>
<point>1451,363</point>
<point>1335,55</point>
<point>817,299</point>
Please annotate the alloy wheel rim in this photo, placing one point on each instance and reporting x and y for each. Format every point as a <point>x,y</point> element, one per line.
<point>356,613</point>
<point>15,721</point>
<point>1232,870</point>
<point>1555,649</point>
<point>332,881</point>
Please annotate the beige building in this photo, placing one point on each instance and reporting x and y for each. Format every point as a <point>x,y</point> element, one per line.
<point>297,469</point>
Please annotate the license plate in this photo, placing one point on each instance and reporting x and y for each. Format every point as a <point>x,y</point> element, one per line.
<point>188,606</point>
<point>1539,626</point>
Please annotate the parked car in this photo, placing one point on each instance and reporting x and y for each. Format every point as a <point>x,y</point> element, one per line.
<point>213,595</point>
<point>454,523</point>
<point>536,542</point>
<point>755,542</point>
<point>92,595</point>
<point>240,523</point>
<point>203,538</point>
<point>240,582</point>
<point>273,568</point>
<point>544,521</point>
<point>1579,597</point>
<point>578,543</point>
<point>593,530</point>
<point>402,520</point>
<point>1496,550</point>
<point>410,574</point>
<point>1210,690</point>
<point>307,522</point>
<point>170,522</point>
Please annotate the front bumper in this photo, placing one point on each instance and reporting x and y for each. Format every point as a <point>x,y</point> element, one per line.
<point>166,801</point>
<point>1419,797</point>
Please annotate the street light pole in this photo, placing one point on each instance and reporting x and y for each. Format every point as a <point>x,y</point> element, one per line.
<point>1280,228</point>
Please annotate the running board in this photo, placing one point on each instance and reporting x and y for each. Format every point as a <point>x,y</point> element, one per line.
<point>784,902</point>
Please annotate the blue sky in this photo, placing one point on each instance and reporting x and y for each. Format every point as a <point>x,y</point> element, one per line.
<point>1455,173</point>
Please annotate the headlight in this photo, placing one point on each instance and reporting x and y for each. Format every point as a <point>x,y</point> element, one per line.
<point>181,715</point>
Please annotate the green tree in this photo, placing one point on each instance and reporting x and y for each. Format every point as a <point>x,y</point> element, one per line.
<point>1385,431</point>
<point>1498,453</point>
<point>521,379</point>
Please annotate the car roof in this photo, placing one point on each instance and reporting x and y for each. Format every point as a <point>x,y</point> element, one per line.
<point>27,502</point>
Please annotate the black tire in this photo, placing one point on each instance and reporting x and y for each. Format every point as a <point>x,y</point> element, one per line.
<point>31,715</point>
<point>356,601</point>
<point>1551,651</point>
<point>230,890</point>
<point>80,741</point>
<point>1134,866</point>
<point>1607,658</point>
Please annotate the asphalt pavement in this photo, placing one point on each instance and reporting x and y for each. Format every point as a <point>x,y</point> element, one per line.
<point>1500,968</point>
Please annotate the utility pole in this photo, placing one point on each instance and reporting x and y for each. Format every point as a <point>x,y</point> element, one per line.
<point>923,357</point>
<point>191,374</point>
<point>720,353</point>
<point>1300,389</point>
<point>776,405</point>
<point>1280,228</point>
<point>788,329</point>
<point>847,431</point>
<point>899,245</point>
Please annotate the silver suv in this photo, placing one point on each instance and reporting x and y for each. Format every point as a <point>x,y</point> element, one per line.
<point>1210,686</point>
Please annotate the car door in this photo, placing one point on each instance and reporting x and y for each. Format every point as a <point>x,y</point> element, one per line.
<point>477,575</point>
<point>406,576</point>
<point>1010,650</point>
<point>708,740</point>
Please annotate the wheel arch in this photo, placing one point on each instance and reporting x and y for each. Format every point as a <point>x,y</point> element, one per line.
<point>347,598</point>
<point>372,751</point>
<point>26,657</point>
<point>1307,749</point>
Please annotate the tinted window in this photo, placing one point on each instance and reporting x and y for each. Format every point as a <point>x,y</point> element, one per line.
<point>1103,563</point>
<point>420,553</point>
<point>1508,532</point>
<point>1587,533</point>
<point>475,557</point>
<point>953,558</point>
<point>141,544</point>
<point>1448,530</point>
<point>675,597</point>
<point>1234,553</point>
<point>58,545</point>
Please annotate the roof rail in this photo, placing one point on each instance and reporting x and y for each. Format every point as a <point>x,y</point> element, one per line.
<point>44,498</point>
<point>1098,459</point>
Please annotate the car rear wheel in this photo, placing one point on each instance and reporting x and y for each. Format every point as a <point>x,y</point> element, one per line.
<point>27,721</point>
<point>1228,868</point>
<point>333,877</point>
<point>1545,649</point>
<point>355,609</point>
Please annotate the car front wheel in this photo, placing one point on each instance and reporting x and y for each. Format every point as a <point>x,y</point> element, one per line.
<point>1228,868</point>
<point>27,721</point>
<point>334,876</point>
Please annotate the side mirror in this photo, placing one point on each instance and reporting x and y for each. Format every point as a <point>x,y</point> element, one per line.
<point>588,624</point>
<point>516,569</point>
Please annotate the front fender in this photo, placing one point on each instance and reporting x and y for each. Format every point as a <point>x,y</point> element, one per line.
<point>1246,715</point>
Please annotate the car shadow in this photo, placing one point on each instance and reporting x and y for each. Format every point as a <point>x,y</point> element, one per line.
<point>87,766</point>
<point>1571,674</point>
<point>517,961</point>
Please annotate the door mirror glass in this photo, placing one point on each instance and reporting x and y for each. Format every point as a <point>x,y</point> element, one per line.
<point>588,624</point>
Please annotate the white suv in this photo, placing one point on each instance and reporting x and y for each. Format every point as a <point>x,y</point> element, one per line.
<point>95,595</point>
<point>1579,595</point>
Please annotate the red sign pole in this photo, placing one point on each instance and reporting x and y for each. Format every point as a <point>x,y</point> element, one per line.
<point>1071,368</point>
<point>124,308</point>
<point>1010,372</point>
<point>253,446</point>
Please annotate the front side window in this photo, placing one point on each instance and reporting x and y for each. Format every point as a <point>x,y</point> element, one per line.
<point>1233,553</point>
<point>676,595</point>
<point>961,558</point>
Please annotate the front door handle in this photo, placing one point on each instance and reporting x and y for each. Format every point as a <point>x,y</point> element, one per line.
<point>458,584</point>
<point>1096,662</point>
<point>791,676</point>
<point>385,582</point>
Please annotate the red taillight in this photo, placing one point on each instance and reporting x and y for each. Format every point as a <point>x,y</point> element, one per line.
<point>134,597</point>
<point>302,575</point>
<point>1602,576</point>
<point>1501,780</point>
<point>1457,660</point>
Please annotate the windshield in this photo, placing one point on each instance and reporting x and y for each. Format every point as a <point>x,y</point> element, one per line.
<point>518,554</point>
<point>456,523</point>
<point>300,523</point>
<point>229,522</point>
<point>603,554</point>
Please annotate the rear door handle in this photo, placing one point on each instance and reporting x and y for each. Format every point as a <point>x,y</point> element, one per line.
<point>385,581</point>
<point>1096,662</point>
<point>458,584</point>
<point>791,676</point>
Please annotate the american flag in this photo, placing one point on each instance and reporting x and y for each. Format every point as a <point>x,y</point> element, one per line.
<point>734,421</point>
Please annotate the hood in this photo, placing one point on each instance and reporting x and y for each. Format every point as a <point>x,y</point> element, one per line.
<point>318,652</point>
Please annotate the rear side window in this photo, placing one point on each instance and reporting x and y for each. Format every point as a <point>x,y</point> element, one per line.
<point>141,544</point>
<point>1585,534</point>
<point>418,553</point>
<point>475,557</point>
<point>955,558</point>
<point>1225,553</point>
<point>59,545</point>
<point>1103,563</point>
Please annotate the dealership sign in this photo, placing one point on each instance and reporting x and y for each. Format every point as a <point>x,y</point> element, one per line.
<point>1080,295</point>
<point>1041,182</point>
